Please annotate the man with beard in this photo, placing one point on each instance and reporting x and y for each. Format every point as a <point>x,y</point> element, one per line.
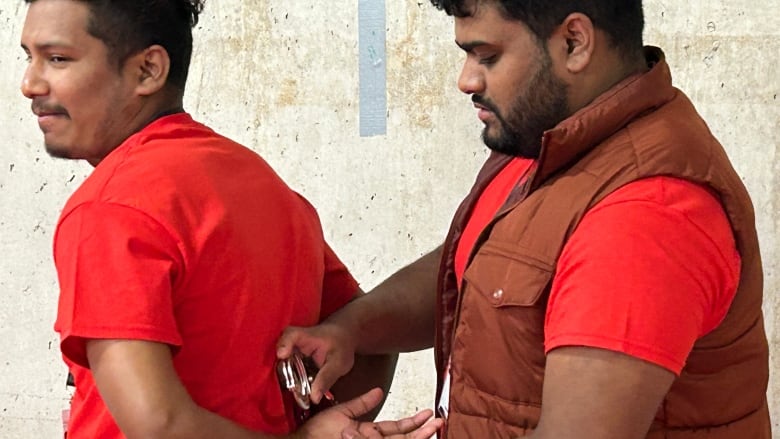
<point>603,277</point>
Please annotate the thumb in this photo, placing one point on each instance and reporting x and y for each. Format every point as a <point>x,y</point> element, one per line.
<point>361,405</point>
<point>325,379</point>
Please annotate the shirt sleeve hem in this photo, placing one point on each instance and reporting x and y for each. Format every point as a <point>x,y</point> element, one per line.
<point>73,342</point>
<point>648,353</point>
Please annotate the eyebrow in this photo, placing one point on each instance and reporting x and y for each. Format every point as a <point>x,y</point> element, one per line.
<point>46,46</point>
<point>471,45</point>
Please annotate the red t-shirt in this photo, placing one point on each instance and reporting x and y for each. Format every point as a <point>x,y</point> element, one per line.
<point>649,270</point>
<point>181,236</point>
<point>487,206</point>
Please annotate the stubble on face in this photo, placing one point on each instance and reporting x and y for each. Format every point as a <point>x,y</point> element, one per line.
<point>84,102</point>
<point>539,107</point>
<point>39,107</point>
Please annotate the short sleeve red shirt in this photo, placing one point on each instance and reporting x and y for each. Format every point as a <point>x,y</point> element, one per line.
<point>649,270</point>
<point>181,236</point>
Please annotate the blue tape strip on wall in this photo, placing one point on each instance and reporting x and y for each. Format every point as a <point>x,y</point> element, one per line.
<point>373,67</point>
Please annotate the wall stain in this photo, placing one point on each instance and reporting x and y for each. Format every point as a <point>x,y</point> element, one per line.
<point>238,39</point>
<point>775,203</point>
<point>288,95</point>
<point>419,81</point>
<point>772,283</point>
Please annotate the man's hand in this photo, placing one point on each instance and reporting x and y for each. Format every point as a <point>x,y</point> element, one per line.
<point>331,348</point>
<point>397,316</point>
<point>416,426</point>
<point>339,421</point>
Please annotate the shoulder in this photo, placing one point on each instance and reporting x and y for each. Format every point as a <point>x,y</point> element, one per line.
<point>664,202</point>
<point>658,257</point>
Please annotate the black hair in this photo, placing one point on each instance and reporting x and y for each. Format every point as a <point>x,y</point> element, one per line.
<point>127,27</point>
<point>622,20</point>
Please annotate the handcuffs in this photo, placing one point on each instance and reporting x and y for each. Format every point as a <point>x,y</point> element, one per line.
<point>295,376</point>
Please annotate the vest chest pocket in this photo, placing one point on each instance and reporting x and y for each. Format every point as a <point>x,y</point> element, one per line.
<point>501,323</point>
<point>508,278</point>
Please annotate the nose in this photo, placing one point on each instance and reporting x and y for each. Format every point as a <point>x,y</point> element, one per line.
<point>471,80</point>
<point>33,83</point>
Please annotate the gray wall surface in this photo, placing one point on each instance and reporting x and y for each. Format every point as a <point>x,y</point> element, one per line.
<point>282,77</point>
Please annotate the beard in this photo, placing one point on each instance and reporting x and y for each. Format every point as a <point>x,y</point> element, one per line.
<point>540,108</point>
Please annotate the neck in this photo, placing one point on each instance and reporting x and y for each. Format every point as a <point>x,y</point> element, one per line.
<point>609,72</point>
<point>164,103</point>
<point>147,111</point>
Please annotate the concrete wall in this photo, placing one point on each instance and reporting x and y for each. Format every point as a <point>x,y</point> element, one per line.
<point>282,77</point>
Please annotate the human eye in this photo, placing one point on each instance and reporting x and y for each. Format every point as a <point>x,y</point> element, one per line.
<point>488,59</point>
<point>56,59</point>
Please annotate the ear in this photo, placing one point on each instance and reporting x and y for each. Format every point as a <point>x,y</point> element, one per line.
<point>575,41</point>
<point>151,67</point>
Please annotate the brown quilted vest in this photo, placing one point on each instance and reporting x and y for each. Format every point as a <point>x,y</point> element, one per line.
<point>640,128</point>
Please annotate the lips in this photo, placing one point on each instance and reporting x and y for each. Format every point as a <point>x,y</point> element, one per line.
<point>47,120</point>
<point>484,109</point>
<point>43,111</point>
<point>45,116</point>
<point>483,112</point>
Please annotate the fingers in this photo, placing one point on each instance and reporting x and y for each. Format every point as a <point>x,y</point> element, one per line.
<point>361,405</point>
<point>327,376</point>
<point>428,430</point>
<point>333,355</point>
<point>414,427</point>
<point>290,339</point>
<point>405,425</point>
<point>317,391</point>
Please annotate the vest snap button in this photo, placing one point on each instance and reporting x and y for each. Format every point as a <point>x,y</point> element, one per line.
<point>498,294</point>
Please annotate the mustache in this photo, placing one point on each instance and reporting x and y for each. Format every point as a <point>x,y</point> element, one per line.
<point>41,107</point>
<point>485,102</point>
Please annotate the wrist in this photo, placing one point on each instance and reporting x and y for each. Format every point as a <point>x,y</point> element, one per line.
<point>344,328</point>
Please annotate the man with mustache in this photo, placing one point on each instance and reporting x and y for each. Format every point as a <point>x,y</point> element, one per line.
<point>603,278</point>
<point>183,256</point>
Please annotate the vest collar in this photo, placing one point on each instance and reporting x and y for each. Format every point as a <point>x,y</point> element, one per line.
<point>582,131</point>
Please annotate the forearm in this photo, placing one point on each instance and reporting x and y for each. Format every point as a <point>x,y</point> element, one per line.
<point>397,315</point>
<point>146,398</point>
<point>197,423</point>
